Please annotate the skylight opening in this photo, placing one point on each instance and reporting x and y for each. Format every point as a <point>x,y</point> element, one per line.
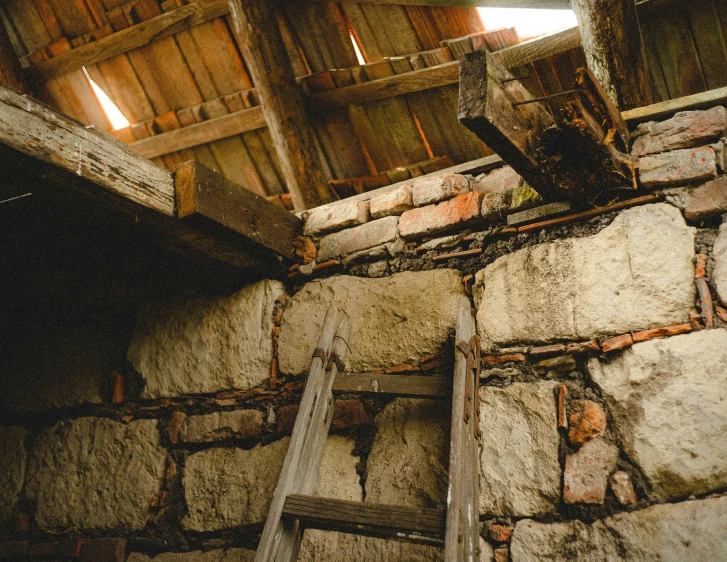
<point>118,121</point>
<point>528,22</point>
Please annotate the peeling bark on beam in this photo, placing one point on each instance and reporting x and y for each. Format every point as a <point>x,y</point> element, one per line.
<point>614,50</point>
<point>264,53</point>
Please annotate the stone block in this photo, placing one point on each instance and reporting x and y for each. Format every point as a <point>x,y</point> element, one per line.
<point>524,197</point>
<point>408,461</point>
<point>586,472</point>
<point>217,555</point>
<point>206,345</point>
<point>357,239</point>
<point>457,213</point>
<point>520,471</point>
<point>587,420</point>
<point>692,530</point>
<point>12,469</point>
<point>707,201</point>
<point>501,179</point>
<point>719,273</point>
<point>679,167</point>
<point>635,274</point>
<point>396,319</point>
<point>218,426</point>
<point>666,398</point>
<point>685,130</point>
<point>227,487</point>
<point>95,474</point>
<point>393,202</point>
<point>426,191</point>
<point>337,216</point>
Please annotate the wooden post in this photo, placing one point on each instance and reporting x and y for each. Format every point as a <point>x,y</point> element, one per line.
<point>264,52</point>
<point>614,50</point>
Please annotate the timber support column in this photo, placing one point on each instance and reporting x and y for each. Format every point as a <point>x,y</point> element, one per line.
<point>264,53</point>
<point>611,38</point>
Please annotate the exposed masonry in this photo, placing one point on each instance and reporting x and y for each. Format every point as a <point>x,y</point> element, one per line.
<point>602,400</point>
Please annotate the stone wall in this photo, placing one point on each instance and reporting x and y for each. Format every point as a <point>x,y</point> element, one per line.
<point>604,341</point>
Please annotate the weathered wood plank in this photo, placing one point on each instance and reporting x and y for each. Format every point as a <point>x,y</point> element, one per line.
<point>263,49</point>
<point>614,50</point>
<point>357,517</point>
<point>540,48</point>
<point>200,190</point>
<point>665,109</point>
<point>538,4</point>
<point>414,386</point>
<point>34,129</point>
<point>200,133</point>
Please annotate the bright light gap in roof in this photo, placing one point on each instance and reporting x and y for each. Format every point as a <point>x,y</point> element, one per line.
<point>118,121</point>
<point>527,22</point>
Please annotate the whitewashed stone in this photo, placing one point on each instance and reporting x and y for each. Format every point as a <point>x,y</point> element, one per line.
<point>12,468</point>
<point>392,202</point>
<point>501,179</point>
<point>95,473</point>
<point>693,530</point>
<point>667,400</point>
<point>396,319</point>
<point>678,167</point>
<point>344,214</point>
<point>426,191</point>
<point>520,471</point>
<point>408,461</point>
<point>227,487</point>
<point>217,555</point>
<point>206,345</point>
<point>719,274</point>
<point>374,233</point>
<point>635,274</point>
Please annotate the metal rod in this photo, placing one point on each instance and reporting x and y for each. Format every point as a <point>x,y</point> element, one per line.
<point>514,78</point>
<point>14,198</point>
<point>551,96</point>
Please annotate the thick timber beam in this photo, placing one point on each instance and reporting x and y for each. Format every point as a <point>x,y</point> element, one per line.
<point>614,50</point>
<point>264,52</point>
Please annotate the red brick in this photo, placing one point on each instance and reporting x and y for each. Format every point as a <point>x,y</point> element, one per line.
<point>500,533</point>
<point>705,302</point>
<point>583,347</point>
<point>721,313</point>
<point>562,418</point>
<point>402,369</point>
<point>707,201</point>
<point>678,167</point>
<point>457,213</point>
<point>646,335</point>
<point>349,414</point>
<point>684,130</point>
<point>498,359</point>
<point>622,488</point>
<point>586,472</point>
<point>587,420</point>
<point>695,320</point>
<point>502,554</point>
<point>548,349</point>
<point>103,550</point>
<point>700,266</point>
<point>305,250</point>
<point>364,237</point>
<point>174,425</point>
<point>619,342</point>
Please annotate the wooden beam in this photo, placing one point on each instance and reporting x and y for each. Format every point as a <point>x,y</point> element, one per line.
<point>200,133</point>
<point>443,74</point>
<point>365,519</point>
<point>36,130</point>
<point>614,50</point>
<point>263,50</point>
<point>133,37</point>
<point>486,107</point>
<point>666,109</point>
<point>537,4</point>
<point>414,386</point>
<point>10,70</point>
<point>201,191</point>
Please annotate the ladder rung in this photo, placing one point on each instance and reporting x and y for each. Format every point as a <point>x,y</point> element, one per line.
<point>415,386</point>
<point>404,523</point>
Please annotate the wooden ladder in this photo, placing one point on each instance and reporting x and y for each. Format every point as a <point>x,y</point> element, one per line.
<point>293,506</point>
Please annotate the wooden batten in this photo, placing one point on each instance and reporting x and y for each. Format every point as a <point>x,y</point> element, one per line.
<point>205,193</point>
<point>614,50</point>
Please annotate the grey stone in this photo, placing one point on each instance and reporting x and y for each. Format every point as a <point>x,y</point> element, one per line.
<point>684,130</point>
<point>678,167</point>
<point>408,461</point>
<point>206,345</point>
<point>707,201</point>
<point>218,555</point>
<point>520,471</point>
<point>635,274</point>
<point>719,273</point>
<point>693,530</point>
<point>396,319</point>
<point>227,487</point>
<point>95,473</point>
<point>237,424</point>
<point>12,468</point>
<point>666,398</point>
<point>336,216</point>
<point>359,238</point>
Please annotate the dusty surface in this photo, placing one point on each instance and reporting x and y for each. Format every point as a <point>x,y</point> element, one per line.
<point>12,468</point>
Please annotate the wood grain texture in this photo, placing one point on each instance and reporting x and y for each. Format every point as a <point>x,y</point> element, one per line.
<point>414,386</point>
<point>614,49</point>
<point>668,108</point>
<point>34,129</point>
<point>200,190</point>
<point>262,47</point>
